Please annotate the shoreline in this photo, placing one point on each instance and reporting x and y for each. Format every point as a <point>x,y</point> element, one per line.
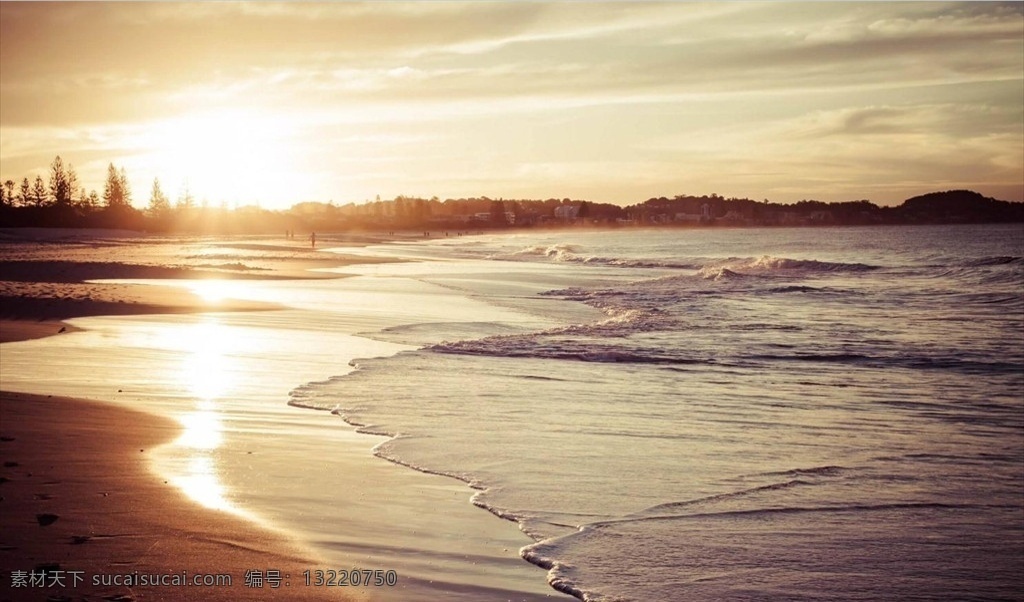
<point>103,511</point>
<point>115,515</point>
<point>399,534</point>
<point>40,287</point>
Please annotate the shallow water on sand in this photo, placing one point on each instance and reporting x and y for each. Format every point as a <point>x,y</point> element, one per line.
<point>226,378</point>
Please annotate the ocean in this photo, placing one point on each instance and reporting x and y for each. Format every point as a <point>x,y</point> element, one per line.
<point>691,414</point>
<point>782,414</point>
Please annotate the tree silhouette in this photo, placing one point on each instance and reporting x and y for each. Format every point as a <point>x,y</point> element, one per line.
<point>117,194</point>
<point>113,194</point>
<point>72,182</point>
<point>186,201</point>
<point>63,182</point>
<point>159,206</point>
<point>9,193</point>
<point>83,200</point>
<point>126,189</point>
<point>39,196</point>
<point>26,192</point>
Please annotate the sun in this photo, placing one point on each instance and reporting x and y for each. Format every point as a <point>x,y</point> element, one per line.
<point>230,156</point>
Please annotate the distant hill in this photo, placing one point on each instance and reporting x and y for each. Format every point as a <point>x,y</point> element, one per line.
<point>959,206</point>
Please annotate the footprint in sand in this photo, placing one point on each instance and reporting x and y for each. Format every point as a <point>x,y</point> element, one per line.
<point>46,519</point>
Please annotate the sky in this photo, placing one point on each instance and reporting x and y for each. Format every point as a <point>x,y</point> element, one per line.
<point>617,102</point>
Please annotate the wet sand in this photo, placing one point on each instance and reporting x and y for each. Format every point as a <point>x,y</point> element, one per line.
<point>392,510</point>
<point>50,276</point>
<point>85,466</point>
<point>78,498</point>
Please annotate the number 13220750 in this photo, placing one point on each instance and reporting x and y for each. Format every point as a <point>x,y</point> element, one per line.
<point>352,578</point>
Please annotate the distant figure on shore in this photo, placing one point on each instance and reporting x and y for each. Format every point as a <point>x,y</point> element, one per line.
<point>312,239</point>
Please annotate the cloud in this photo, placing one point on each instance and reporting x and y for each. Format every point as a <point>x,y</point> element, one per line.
<point>787,95</point>
<point>951,120</point>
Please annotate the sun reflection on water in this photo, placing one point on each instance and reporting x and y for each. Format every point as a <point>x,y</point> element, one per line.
<point>214,290</point>
<point>200,483</point>
<point>203,431</point>
<point>207,374</point>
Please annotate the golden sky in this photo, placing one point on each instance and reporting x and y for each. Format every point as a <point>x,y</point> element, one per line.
<point>613,102</point>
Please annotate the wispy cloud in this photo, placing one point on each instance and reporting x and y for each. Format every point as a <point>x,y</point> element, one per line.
<point>614,100</point>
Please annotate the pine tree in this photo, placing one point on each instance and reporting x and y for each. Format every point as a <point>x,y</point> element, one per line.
<point>26,192</point>
<point>83,199</point>
<point>113,194</point>
<point>72,182</point>
<point>39,196</point>
<point>186,201</point>
<point>126,190</point>
<point>159,206</point>
<point>9,186</point>
<point>60,187</point>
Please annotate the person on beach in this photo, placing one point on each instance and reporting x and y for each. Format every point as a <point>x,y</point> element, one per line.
<point>312,239</point>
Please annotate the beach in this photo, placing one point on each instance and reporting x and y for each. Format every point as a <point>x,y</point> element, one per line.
<point>85,465</point>
<point>47,274</point>
<point>713,414</point>
<point>512,301</point>
<point>67,297</point>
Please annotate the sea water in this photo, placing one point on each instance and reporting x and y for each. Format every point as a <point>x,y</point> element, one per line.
<point>693,414</point>
<point>780,414</point>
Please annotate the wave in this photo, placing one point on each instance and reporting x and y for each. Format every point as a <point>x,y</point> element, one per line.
<point>532,346</point>
<point>720,273</point>
<point>568,578</point>
<point>828,471</point>
<point>706,268</point>
<point>654,510</point>
<point>995,260</point>
<point>768,264</point>
<point>558,578</point>
<point>913,362</point>
<point>569,253</point>
<point>795,288</point>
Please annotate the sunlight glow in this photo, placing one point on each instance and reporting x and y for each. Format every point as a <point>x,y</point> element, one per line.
<point>203,430</point>
<point>207,372</point>
<point>200,483</point>
<point>214,290</point>
<point>221,155</point>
